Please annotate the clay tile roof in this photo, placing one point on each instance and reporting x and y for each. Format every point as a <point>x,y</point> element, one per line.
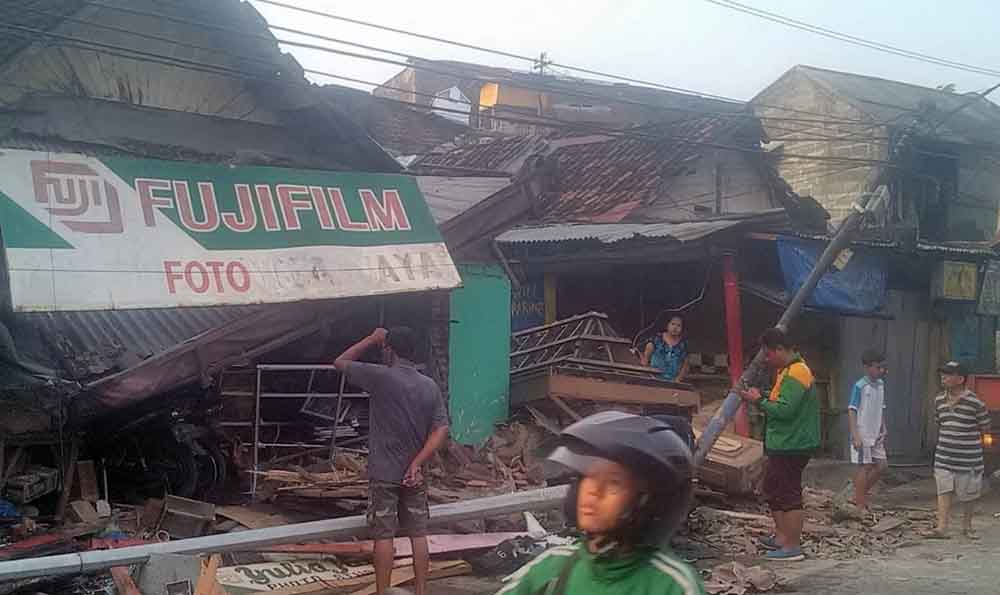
<point>600,177</point>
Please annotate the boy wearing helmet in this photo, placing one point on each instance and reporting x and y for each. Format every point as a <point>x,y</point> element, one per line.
<point>633,490</point>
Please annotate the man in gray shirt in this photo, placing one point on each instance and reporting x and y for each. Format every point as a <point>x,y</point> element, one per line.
<point>408,422</point>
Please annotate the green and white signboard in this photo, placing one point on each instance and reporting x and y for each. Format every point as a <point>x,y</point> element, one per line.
<point>83,233</point>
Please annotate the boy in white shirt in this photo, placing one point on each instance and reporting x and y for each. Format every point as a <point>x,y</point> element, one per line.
<point>866,413</point>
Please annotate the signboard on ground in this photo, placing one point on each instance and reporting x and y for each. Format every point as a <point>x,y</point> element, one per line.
<point>83,233</point>
<point>272,576</point>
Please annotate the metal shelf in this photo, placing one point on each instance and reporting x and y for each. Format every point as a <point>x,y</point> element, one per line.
<point>259,395</point>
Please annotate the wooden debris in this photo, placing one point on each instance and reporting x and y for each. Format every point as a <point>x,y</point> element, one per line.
<point>83,511</point>
<point>87,480</point>
<point>733,578</point>
<point>889,523</point>
<point>722,533</point>
<point>250,518</point>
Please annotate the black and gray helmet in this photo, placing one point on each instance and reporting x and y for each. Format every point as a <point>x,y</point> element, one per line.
<point>649,447</point>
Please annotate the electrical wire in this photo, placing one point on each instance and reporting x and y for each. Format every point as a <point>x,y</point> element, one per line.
<point>312,46</point>
<point>852,39</point>
<point>129,53</point>
<point>372,48</point>
<point>420,63</point>
<point>217,69</point>
<point>521,57</point>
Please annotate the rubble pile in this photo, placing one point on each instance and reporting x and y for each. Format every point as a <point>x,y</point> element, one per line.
<point>833,528</point>
<point>733,578</point>
<point>506,463</point>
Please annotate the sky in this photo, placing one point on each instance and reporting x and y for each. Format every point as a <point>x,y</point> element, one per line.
<point>691,44</point>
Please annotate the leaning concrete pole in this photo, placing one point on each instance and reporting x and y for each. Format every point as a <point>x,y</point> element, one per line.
<point>875,192</point>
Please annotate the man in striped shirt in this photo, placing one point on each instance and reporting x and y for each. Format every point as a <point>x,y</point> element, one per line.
<point>958,459</point>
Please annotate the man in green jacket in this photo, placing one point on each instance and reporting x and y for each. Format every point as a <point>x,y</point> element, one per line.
<point>792,435</point>
<point>633,489</point>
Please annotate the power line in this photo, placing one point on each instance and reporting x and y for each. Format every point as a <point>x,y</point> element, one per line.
<point>519,57</point>
<point>534,121</point>
<point>420,63</point>
<point>449,73</point>
<point>868,125</point>
<point>218,69</point>
<point>852,39</point>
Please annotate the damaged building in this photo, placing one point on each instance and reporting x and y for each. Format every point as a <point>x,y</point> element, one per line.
<point>168,176</point>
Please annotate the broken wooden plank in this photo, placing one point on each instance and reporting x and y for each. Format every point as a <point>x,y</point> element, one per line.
<point>543,420</point>
<point>888,524</point>
<point>250,518</point>
<point>83,511</point>
<point>566,408</point>
<point>609,391</point>
<point>87,478</point>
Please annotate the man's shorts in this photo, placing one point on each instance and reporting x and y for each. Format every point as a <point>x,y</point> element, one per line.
<point>869,455</point>
<point>966,485</point>
<point>395,510</point>
<point>783,481</point>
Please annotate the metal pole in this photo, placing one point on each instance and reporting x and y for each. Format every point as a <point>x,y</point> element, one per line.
<point>64,564</point>
<point>734,332</point>
<point>336,419</point>
<point>256,438</point>
<point>840,240</point>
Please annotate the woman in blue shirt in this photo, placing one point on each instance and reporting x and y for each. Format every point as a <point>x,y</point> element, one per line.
<point>668,352</point>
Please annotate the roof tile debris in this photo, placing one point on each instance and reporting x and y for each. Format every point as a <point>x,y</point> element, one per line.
<point>600,177</point>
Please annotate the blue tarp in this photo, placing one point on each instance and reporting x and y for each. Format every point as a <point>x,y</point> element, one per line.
<point>860,288</point>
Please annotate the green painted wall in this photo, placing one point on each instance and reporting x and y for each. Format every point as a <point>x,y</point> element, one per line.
<point>479,350</point>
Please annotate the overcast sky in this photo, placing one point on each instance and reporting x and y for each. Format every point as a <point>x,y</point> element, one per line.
<point>685,43</point>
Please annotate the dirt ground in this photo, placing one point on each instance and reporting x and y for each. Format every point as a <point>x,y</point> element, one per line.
<point>956,566</point>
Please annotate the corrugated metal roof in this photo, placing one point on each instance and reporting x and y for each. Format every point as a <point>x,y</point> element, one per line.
<point>974,119</point>
<point>609,233</point>
<point>449,197</point>
<point>93,343</point>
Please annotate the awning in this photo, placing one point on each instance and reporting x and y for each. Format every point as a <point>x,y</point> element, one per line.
<point>86,233</point>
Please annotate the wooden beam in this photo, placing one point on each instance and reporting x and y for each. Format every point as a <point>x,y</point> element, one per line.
<point>69,471</point>
<point>575,387</point>
<point>566,408</point>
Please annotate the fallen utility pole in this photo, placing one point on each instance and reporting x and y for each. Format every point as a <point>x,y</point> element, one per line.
<point>64,564</point>
<point>875,191</point>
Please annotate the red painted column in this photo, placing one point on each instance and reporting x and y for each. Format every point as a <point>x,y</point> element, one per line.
<point>734,332</point>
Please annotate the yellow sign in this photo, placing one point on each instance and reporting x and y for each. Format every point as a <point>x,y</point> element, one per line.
<point>957,280</point>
